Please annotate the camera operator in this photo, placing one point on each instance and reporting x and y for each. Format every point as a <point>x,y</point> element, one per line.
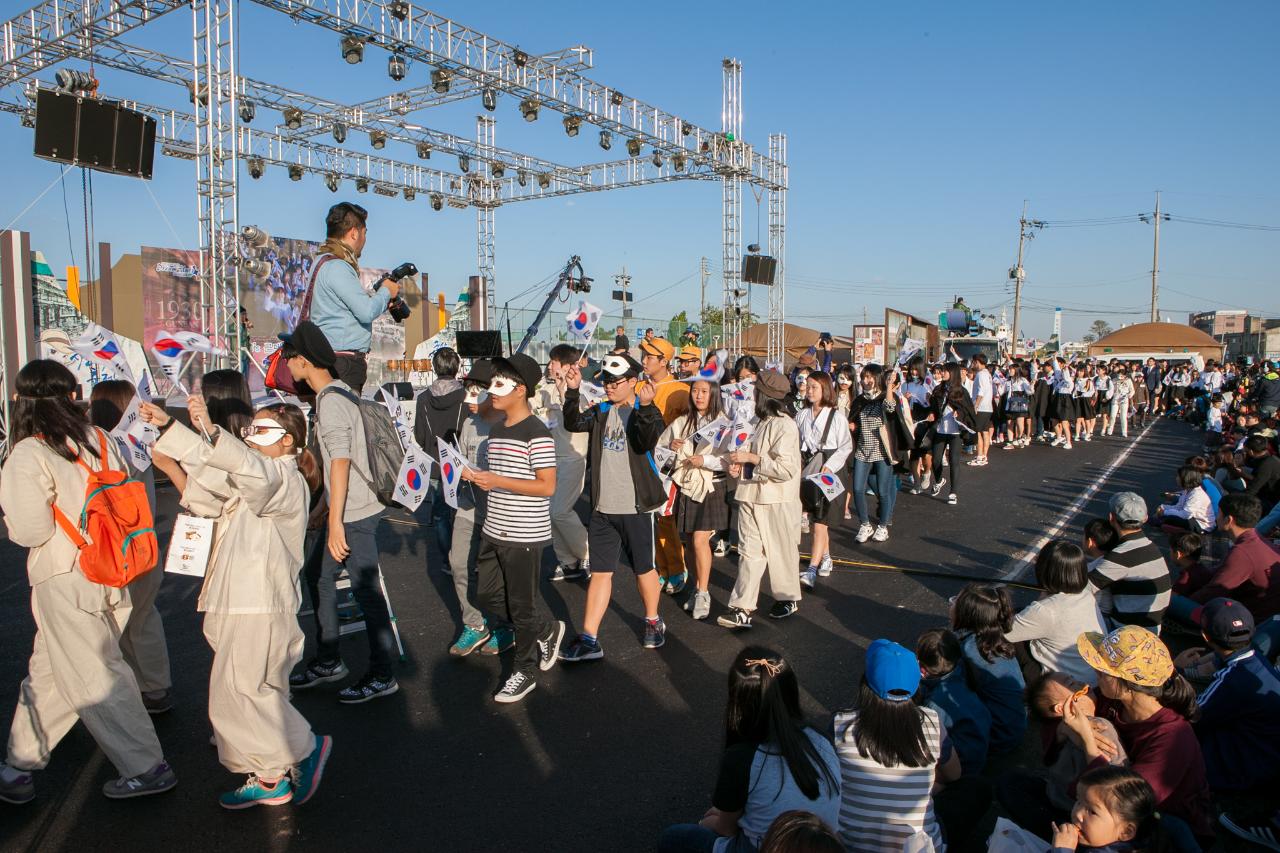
<point>336,301</point>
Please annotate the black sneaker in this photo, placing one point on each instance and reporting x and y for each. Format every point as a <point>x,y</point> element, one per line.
<point>655,634</point>
<point>549,647</point>
<point>516,688</point>
<point>783,609</point>
<point>736,618</point>
<point>576,571</point>
<point>368,688</point>
<point>318,672</point>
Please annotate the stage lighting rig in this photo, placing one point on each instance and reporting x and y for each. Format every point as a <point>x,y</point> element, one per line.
<point>522,177</point>
<point>606,140</point>
<point>352,50</point>
<point>616,98</point>
<point>519,57</point>
<point>256,167</point>
<point>489,99</point>
<point>295,172</point>
<point>332,181</point>
<point>441,78</point>
<point>678,160</point>
<point>398,9</point>
<point>436,201</point>
<point>396,67</point>
<point>339,132</point>
<point>424,150</point>
<point>529,109</point>
<point>464,162</point>
<point>248,111</point>
<point>378,139</point>
<point>256,267</point>
<point>544,180</point>
<point>633,147</point>
<point>71,82</point>
<point>571,125</point>
<point>198,93</point>
<point>497,170</point>
<point>685,128</point>
<point>254,237</point>
<point>362,185</point>
<point>657,158</point>
<point>410,193</point>
<point>292,117</point>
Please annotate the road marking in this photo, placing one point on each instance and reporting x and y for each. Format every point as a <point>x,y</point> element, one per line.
<point>1015,568</point>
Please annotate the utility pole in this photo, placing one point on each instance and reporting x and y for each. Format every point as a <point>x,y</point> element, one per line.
<point>702,312</point>
<point>623,281</point>
<point>1155,267</point>
<point>1018,273</point>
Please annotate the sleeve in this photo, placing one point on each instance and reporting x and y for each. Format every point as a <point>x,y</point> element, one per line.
<point>542,452</point>
<point>421,427</point>
<point>781,460</point>
<point>734,780</point>
<point>27,494</point>
<point>1232,574</point>
<point>336,424</point>
<point>258,479</point>
<point>945,747</point>
<point>345,285</point>
<point>844,444</point>
<point>1102,575</point>
<point>1032,623</point>
<point>576,420</point>
<point>645,428</point>
<point>1217,705</point>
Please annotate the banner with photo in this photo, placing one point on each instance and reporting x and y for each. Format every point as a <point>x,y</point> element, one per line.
<point>171,303</point>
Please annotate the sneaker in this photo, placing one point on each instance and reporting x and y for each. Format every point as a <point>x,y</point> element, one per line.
<point>804,522</point>
<point>516,688</point>
<point>722,548</point>
<point>783,609</point>
<point>161,704</point>
<point>824,568</point>
<point>469,640</point>
<point>500,639</point>
<point>254,793</point>
<point>157,780</point>
<point>809,577</point>
<point>21,790</point>
<point>557,574</point>
<point>1058,441</point>
<point>1066,446</point>
<point>655,634</point>
<point>952,499</point>
<point>306,775</point>
<point>580,650</point>
<point>701,604</point>
<point>925,481</point>
<point>1266,834</point>
<point>318,672</point>
<point>367,689</point>
<point>1088,436</point>
<point>936,491</point>
<point>736,618</point>
<point>864,532</point>
<point>549,647</point>
<point>677,583</point>
<point>576,571</point>
<point>1011,445</point>
<point>881,534</point>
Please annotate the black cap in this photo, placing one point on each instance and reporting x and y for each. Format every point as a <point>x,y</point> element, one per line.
<point>481,372</point>
<point>1227,623</point>
<point>311,344</point>
<point>525,367</point>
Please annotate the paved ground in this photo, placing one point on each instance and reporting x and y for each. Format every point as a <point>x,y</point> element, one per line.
<point>601,756</point>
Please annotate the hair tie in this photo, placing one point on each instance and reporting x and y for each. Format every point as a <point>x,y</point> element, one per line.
<point>772,668</point>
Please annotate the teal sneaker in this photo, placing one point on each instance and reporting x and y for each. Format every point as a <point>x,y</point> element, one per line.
<point>254,793</point>
<point>306,776</point>
<point>676,583</point>
<point>500,639</point>
<point>469,640</point>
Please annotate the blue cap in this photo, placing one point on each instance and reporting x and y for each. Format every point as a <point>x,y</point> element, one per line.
<point>892,671</point>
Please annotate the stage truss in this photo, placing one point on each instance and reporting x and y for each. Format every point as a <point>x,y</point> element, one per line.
<point>465,64</point>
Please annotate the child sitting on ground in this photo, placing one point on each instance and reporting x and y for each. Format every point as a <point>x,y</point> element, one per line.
<point>1115,811</point>
<point>1189,572</point>
<point>947,691</point>
<point>1100,536</point>
<point>980,617</point>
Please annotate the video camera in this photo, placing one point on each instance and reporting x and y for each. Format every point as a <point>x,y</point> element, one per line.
<point>397,308</point>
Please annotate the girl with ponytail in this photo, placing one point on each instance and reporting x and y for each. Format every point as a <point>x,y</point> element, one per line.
<point>981,615</point>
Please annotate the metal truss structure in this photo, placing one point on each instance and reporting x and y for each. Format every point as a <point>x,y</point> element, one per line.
<point>219,135</point>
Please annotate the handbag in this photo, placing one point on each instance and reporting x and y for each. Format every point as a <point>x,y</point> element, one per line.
<point>811,497</point>
<point>1018,403</point>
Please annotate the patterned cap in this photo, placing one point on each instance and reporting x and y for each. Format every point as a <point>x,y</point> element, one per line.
<point>1130,653</point>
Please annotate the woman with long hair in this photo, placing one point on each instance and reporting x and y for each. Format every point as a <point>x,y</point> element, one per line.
<point>1083,395</point>
<point>953,416</point>
<point>823,432</point>
<point>143,642</point>
<point>882,424</point>
<point>745,369</point>
<point>1017,407</point>
<point>981,616</point>
<point>230,404</point>
<point>772,763</point>
<point>77,671</point>
<point>702,507</point>
<point>919,384</point>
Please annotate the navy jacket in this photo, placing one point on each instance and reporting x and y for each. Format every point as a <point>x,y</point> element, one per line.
<point>967,720</point>
<point>1239,724</point>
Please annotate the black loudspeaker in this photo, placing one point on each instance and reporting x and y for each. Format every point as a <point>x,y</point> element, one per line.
<point>480,344</point>
<point>101,135</point>
<point>759,269</point>
<point>397,390</point>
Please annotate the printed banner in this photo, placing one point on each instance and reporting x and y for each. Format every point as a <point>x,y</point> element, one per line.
<point>170,304</point>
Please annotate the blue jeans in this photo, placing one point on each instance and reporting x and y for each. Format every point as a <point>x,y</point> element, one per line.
<point>1269,521</point>
<point>885,490</point>
<point>692,838</point>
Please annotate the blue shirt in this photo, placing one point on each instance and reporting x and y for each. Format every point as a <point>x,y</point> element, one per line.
<point>967,720</point>
<point>1000,686</point>
<point>1239,724</point>
<point>341,308</point>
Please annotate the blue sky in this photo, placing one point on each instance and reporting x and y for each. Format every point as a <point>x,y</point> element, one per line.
<point>916,130</point>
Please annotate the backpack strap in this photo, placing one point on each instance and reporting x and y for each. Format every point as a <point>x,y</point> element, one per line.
<point>305,312</point>
<point>69,527</point>
<point>349,395</point>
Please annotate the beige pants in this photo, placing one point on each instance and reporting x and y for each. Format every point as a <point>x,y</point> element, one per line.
<point>143,644</point>
<point>256,727</point>
<point>568,534</point>
<point>78,673</point>
<point>768,539</point>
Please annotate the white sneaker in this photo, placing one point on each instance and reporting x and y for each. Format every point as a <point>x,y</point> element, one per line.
<point>952,499</point>
<point>824,568</point>
<point>881,534</point>
<point>701,604</point>
<point>1088,436</point>
<point>809,577</point>
<point>864,532</point>
<point>1057,441</point>
<point>926,480</point>
<point>937,487</point>
<point>1067,446</point>
<point>1011,445</point>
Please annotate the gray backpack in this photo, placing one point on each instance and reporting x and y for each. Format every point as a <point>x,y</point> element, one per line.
<point>382,445</point>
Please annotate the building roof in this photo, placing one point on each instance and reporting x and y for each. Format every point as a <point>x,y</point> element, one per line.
<point>1157,337</point>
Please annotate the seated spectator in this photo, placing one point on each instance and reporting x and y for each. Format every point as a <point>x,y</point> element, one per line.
<point>772,763</point>
<point>981,615</point>
<point>800,832</point>
<point>946,690</point>
<point>1193,510</point>
<point>1046,630</point>
<point>1249,574</point>
<point>1226,472</point>
<point>1115,811</point>
<point>1132,580</point>
<point>1239,721</point>
<point>1150,705</point>
<point>1189,572</point>
<point>1262,474</point>
<point>1099,538</point>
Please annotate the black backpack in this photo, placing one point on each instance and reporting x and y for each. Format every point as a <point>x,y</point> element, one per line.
<point>382,445</point>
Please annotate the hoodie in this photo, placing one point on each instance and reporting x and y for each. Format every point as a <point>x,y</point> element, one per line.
<point>439,414</point>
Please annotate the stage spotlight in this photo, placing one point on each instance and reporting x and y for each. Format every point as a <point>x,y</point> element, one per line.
<point>464,162</point>
<point>396,68</point>
<point>332,181</point>
<point>519,57</point>
<point>522,177</point>
<point>633,147</point>
<point>247,111</point>
<point>362,185</point>
<point>410,193</point>
<point>72,82</point>
<point>398,9</point>
<point>606,140</point>
<point>254,237</point>
<point>571,125</point>
<point>497,170</point>
<point>615,98</point>
<point>529,109</point>
<point>292,118</point>
<point>295,172</point>
<point>378,139</point>
<point>678,161</point>
<point>489,98</point>
<point>256,267</point>
<point>256,167</point>
<point>544,180</point>
<point>657,158</point>
<point>339,132</point>
<point>685,128</point>
<point>436,201</point>
<point>440,80</point>
<point>424,151</point>
<point>352,49</point>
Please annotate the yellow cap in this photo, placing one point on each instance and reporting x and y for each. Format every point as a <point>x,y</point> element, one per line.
<point>1130,653</point>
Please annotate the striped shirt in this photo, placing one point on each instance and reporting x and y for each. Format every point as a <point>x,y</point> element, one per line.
<point>882,807</point>
<point>1133,583</point>
<point>518,452</point>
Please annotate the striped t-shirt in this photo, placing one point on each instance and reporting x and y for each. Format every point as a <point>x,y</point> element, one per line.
<point>1133,583</point>
<point>881,807</point>
<point>518,452</point>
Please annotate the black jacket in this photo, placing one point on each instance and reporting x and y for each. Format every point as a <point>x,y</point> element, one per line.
<point>438,416</point>
<point>644,428</point>
<point>959,400</point>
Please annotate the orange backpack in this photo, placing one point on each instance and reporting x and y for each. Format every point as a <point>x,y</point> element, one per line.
<point>116,535</point>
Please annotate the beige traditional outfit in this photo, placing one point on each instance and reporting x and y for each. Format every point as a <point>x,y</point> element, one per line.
<point>768,506</point>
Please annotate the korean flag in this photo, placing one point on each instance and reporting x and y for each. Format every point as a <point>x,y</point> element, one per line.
<point>581,322</point>
<point>414,479</point>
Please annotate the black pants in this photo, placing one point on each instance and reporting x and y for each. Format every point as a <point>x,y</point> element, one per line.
<point>507,587</point>
<point>961,807</point>
<point>353,370</point>
<point>940,443</point>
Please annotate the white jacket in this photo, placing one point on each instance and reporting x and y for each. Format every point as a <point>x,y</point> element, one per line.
<point>776,478</point>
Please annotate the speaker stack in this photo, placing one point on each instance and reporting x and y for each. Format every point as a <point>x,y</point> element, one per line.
<point>100,135</point>
<point>759,269</point>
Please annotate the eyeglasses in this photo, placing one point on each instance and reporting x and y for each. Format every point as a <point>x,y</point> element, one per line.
<point>261,429</point>
<point>610,383</point>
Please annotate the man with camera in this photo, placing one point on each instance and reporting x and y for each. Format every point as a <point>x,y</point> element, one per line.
<point>338,303</point>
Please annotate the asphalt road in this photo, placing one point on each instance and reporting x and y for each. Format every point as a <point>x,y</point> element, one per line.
<point>602,755</point>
